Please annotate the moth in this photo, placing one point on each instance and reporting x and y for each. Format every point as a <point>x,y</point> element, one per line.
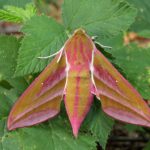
<point>77,73</point>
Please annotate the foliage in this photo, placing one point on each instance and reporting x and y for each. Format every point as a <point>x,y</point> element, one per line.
<point>147,146</point>
<point>43,36</point>
<point>99,123</point>
<point>103,18</point>
<point>9,46</point>
<point>15,14</point>
<point>17,3</point>
<point>142,20</point>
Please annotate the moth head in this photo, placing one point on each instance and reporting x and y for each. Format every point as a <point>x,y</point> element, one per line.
<point>79,31</point>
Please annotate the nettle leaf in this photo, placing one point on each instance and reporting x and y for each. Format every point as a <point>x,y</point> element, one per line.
<point>99,124</point>
<point>135,63</point>
<point>103,18</point>
<point>44,36</point>
<point>16,14</point>
<point>9,46</point>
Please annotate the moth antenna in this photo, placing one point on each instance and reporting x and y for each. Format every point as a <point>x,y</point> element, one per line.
<point>59,52</point>
<point>46,57</point>
<point>103,46</point>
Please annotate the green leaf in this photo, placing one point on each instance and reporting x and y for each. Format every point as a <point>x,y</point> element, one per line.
<point>65,136</point>
<point>2,126</point>
<point>18,84</point>
<point>7,98</point>
<point>44,36</point>
<point>43,7</point>
<point>16,14</point>
<point>147,147</point>
<point>9,46</point>
<point>144,33</point>
<point>104,18</point>
<point>142,20</point>
<point>17,3</point>
<point>135,63</point>
<point>5,106</point>
<point>133,128</point>
<point>99,124</point>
